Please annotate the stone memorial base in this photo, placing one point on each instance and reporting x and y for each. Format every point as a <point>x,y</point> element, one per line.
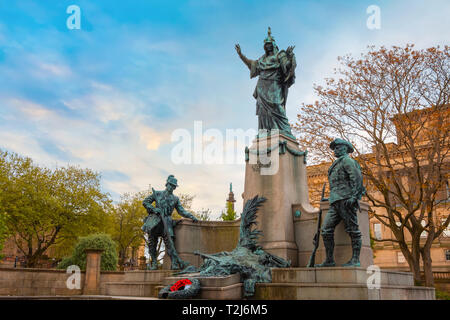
<point>276,169</point>
<point>213,288</point>
<point>339,283</point>
<point>139,283</point>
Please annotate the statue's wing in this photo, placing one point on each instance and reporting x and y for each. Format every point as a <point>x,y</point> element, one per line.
<point>248,237</point>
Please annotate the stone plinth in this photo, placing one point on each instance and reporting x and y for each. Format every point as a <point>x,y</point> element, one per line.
<point>283,183</point>
<point>92,279</point>
<point>340,283</point>
<point>137,283</point>
<point>306,227</point>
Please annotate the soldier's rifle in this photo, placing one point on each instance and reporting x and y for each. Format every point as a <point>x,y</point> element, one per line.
<point>206,256</point>
<point>316,240</point>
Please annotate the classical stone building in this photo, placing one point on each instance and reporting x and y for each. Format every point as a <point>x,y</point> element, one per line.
<point>387,254</point>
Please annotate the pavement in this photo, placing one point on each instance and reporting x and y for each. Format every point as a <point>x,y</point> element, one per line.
<point>77,297</point>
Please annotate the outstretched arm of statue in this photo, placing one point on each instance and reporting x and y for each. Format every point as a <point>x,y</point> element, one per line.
<point>244,59</point>
<point>183,212</point>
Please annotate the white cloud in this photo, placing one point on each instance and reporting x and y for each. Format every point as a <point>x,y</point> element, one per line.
<point>117,129</point>
<point>30,109</point>
<point>50,69</point>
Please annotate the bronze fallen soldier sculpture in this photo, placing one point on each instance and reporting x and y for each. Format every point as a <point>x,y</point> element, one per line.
<point>248,258</point>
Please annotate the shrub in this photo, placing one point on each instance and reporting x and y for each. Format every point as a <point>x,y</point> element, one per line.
<point>65,263</point>
<point>442,295</point>
<point>94,241</point>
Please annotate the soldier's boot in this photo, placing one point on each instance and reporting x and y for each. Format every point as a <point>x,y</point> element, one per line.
<point>177,263</point>
<point>356,250</point>
<point>328,242</point>
<point>175,260</point>
<point>152,250</point>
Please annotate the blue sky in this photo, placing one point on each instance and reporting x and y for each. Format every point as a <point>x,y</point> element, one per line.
<point>108,96</point>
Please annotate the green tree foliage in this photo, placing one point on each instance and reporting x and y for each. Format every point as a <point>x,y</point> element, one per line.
<point>128,217</point>
<point>3,232</point>
<point>230,215</point>
<point>109,256</point>
<point>186,202</point>
<point>46,208</point>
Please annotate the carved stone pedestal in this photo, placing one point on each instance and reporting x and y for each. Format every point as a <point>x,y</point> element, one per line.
<point>341,283</point>
<point>276,170</point>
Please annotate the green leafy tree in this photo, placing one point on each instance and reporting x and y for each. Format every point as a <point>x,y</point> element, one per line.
<point>109,258</point>
<point>128,217</point>
<point>186,202</point>
<point>4,233</point>
<point>230,215</point>
<point>45,208</point>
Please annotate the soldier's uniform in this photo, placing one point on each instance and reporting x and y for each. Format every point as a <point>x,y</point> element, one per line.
<point>345,179</point>
<point>154,226</point>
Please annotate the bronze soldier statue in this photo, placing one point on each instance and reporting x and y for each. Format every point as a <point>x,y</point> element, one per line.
<point>159,222</point>
<point>346,188</point>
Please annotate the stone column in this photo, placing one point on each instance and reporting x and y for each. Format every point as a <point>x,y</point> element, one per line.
<point>283,183</point>
<point>92,279</point>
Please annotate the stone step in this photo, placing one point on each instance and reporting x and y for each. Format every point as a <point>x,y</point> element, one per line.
<point>339,291</point>
<point>206,281</point>
<point>147,275</point>
<point>231,292</point>
<point>132,289</point>
<point>340,275</point>
<point>216,288</point>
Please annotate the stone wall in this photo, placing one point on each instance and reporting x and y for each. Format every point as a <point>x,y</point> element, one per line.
<point>204,236</point>
<point>35,282</point>
<point>46,282</point>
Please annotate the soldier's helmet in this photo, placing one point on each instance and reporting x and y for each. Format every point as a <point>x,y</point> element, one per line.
<point>338,141</point>
<point>171,180</point>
